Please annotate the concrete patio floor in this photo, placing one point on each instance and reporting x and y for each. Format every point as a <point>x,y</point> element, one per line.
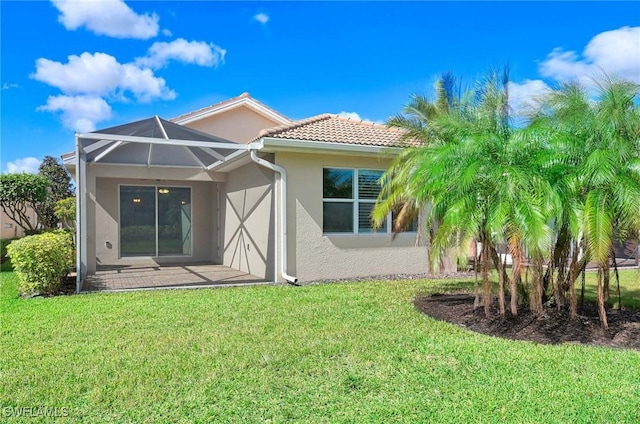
<point>147,276</point>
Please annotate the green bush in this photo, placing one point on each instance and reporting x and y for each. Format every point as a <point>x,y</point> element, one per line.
<point>42,261</point>
<point>3,249</point>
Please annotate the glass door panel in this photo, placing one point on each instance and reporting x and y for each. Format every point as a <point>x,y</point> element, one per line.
<point>137,221</point>
<point>174,221</point>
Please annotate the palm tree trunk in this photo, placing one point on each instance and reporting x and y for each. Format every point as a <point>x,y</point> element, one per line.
<point>486,284</point>
<point>606,280</point>
<point>501,287</point>
<point>571,282</point>
<point>516,272</point>
<point>602,311</point>
<point>615,270</point>
<point>537,286</point>
<point>476,287</point>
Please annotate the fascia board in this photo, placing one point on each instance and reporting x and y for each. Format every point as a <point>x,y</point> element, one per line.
<point>282,144</point>
<point>232,105</point>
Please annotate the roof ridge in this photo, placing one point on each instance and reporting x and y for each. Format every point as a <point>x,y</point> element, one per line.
<point>244,95</point>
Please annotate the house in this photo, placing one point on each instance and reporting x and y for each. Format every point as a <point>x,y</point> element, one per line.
<point>239,184</point>
<point>10,229</point>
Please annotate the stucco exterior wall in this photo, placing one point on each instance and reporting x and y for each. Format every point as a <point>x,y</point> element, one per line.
<point>315,256</point>
<point>240,124</point>
<point>103,230</point>
<point>9,228</point>
<point>248,221</point>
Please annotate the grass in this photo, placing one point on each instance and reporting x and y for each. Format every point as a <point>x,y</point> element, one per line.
<point>353,352</point>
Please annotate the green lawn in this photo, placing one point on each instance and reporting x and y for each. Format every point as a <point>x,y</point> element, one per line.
<point>332,353</point>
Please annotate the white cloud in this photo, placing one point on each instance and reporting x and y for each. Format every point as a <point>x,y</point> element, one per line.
<point>79,113</point>
<point>167,33</point>
<point>9,86</point>
<point>106,17</point>
<point>616,53</point>
<point>525,96</point>
<point>100,74</point>
<point>350,115</point>
<point>28,164</point>
<point>263,18</point>
<point>193,52</point>
<point>356,117</point>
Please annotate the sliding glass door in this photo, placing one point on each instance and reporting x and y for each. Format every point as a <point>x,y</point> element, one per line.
<point>155,221</point>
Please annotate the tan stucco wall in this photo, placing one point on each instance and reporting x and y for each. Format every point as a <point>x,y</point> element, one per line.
<point>248,221</point>
<point>314,256</point>
<point>240,124</point>
<point>103,244</point>
<point>10,229</point>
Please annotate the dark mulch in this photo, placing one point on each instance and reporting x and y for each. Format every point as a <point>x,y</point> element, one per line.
<point>553,327</point>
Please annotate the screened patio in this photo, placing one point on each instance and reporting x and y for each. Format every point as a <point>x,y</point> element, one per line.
<point>170,166</point>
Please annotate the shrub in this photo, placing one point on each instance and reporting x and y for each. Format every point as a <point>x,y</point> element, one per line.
<point>3,248</point>
<point>41,261</point>
<point>5,261</point>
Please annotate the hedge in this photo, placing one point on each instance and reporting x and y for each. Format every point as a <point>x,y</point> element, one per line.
<point>42,261</point>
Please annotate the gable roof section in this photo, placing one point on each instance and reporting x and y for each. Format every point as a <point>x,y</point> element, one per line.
<point>338,129</point>
<point>242,100</point>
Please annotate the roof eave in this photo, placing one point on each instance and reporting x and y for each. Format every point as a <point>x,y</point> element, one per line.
<point>271,144</point>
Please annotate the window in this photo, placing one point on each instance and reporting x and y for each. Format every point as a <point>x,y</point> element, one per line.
<point>348,199</point>
<point>155,221</point>
<point>8,225</point>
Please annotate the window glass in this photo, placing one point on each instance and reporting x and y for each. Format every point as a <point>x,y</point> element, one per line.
<point>137,221</point>
<point>155,221</point>
<point>337,183</point>
<point>337,217</point>
<point>368,185</point>
<point>174,221</point>
<point>412,227</point>
<point>364,219</point>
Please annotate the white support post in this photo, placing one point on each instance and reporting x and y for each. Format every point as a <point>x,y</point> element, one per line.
<point>81,215</point>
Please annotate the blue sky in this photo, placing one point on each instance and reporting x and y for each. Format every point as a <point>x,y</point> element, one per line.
<point>71,66</point>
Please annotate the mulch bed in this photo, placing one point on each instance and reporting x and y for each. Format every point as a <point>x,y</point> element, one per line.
<point>553,327</point>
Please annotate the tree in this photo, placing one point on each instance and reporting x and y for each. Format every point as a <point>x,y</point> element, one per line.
<point>59,188</point>
<point>560,188</point>
<point>595,135</point>
<point>21,192</point>
<point>415,121</point>
<point>65,211</point>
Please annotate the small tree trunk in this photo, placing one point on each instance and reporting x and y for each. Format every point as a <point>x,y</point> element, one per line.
<point>602,311</point>
<point>501,288</point>
<point>515,279</point>
<point>535,299</point>
<point>615,270</point>
<point>584,277</point>
<point>606,279</point>
<point>476,286</point>
<point>486,284</point>
<point>571,282</point>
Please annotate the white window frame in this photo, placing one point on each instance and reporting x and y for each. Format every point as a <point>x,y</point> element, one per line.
<point>356,204</point>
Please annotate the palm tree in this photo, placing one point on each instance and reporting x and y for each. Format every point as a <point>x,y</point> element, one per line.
<point>416,121</point>
<point>476,175</point>
<point>595,140</point>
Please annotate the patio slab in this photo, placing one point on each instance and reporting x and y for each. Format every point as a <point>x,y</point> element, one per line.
<point>154,276</point>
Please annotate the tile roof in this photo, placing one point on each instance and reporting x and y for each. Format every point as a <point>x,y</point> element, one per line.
<point>222,104</point>
<point>338,129</point>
